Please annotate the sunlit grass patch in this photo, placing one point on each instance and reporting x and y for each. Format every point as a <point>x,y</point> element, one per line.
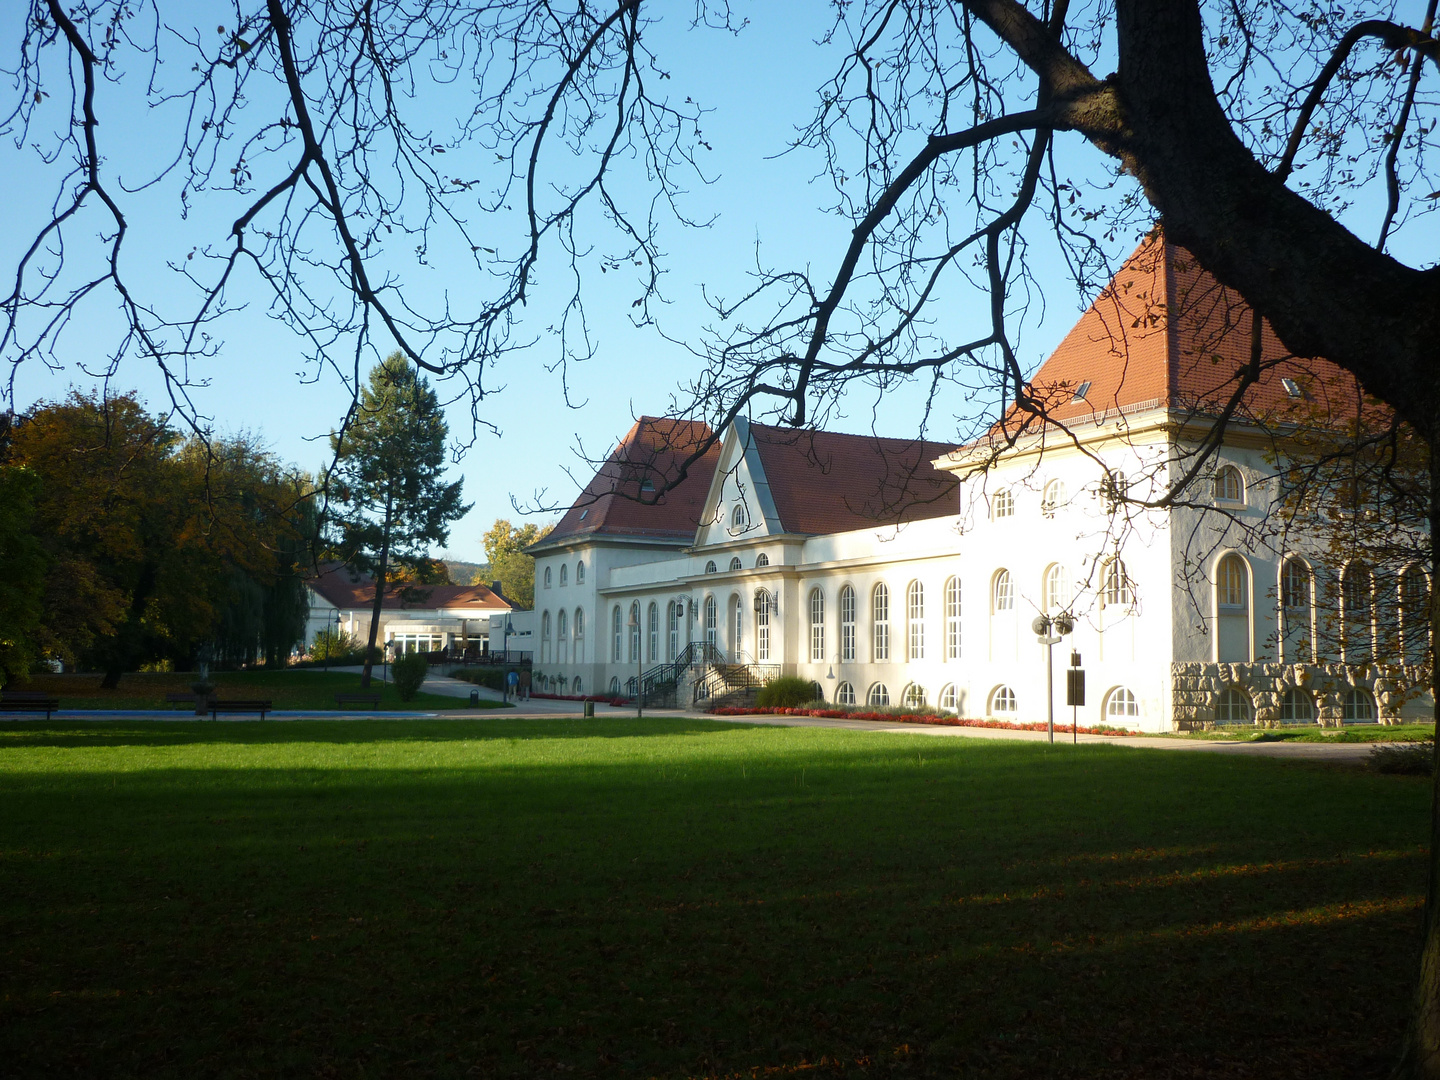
<point>684,897</point>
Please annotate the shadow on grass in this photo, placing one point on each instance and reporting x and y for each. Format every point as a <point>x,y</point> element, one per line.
<point>121,733</point>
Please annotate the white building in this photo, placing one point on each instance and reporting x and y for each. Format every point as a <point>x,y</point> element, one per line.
<point>421,618</point>
<point>893,572</point>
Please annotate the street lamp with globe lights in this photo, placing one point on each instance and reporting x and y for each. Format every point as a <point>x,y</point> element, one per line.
<point>1049,631</point>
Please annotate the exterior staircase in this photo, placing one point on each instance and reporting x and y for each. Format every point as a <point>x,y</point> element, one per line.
<point>731,685</point>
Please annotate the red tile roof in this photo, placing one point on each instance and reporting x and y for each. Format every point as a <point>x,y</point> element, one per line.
<point>346,590</point>
<point>825,482</point>
<point>652,452</point>
<point>1165,334</point>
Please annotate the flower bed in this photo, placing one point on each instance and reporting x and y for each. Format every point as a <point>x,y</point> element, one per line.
<point>914,718</point>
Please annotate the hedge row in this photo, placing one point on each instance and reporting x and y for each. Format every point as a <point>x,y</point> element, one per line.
<point>913,718</point>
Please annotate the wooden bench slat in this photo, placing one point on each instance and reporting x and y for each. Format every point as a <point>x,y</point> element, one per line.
<point>239,705</point>
<point>28,701</point>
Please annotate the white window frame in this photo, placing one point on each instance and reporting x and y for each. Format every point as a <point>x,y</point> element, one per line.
<point>915,622</point>
<point>847,624</point>
<point>817,626</point>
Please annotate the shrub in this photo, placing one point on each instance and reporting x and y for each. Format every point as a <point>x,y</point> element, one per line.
<point>410,670</point>
<point>1411,759</point>
<point>786,692</point>
<point>333,646</point>
<point>491,678</point>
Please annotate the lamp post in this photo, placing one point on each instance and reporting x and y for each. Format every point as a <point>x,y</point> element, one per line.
<point>1061,624</point>
<point>635,629</point>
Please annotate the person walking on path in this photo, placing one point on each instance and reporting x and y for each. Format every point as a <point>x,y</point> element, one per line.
<point>512,685</point>
<point>525,685</point>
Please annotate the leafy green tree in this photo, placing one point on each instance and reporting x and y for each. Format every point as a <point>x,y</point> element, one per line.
<point>22,583</point>
<point>388,481</point>
<point>505,548</point>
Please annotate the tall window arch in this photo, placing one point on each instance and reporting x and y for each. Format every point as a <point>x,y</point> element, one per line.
<point>562,637</point>
<point>547,577</point>
<point>1296,589</point>
<point>564,574</point>
<point>1117,590</point>
<point>915,621</point>
<point>580,572</point>
<point>1002,504</point>
<point>634,624</point>
<point>545,638</point>
<point>1229,485</point>
<point>817,626</point>
<point>1004,593</point>
<point>847,624</point>
<point>1232,609</point>
<point>579,636</point>
<point>1057,589</point>
<point>738,516</point>
<point>880,622</point>
<point>1054,498</point>
<point>1415,615</point>
<point>652,627</point>
<point>617,646</point>
<point>1357,593</point>
<point>1232,584</point>
<point>672,630</point>
<point>762,626</point>
<point>845,694</point>
<point>737,626</point>
<point>711,621</point>
<point>952,618</point>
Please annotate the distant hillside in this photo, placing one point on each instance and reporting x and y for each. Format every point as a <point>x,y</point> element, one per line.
<point>463,573</point>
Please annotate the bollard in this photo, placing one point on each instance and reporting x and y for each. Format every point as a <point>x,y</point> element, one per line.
<point>474,697</point>
<point>590,708</point>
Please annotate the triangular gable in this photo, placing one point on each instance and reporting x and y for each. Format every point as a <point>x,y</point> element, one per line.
<point>739,481</point>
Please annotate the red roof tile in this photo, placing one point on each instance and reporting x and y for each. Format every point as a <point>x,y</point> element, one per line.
<point>825,482</point>
<point>345,589</point>
<point>1165,334</point>
<point>652,452</point>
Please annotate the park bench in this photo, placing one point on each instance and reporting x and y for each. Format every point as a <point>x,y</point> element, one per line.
<point>181,697</point>
<point>27,701</point>
<point>239,705</point>
<point>355,699</point>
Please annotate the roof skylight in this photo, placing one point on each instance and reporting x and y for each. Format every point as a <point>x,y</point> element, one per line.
<point>1081,391</point>
<point>1291,387</point>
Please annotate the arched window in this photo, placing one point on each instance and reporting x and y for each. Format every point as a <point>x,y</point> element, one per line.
<point>562,637</point>
<point>1415,615</point>
<point>545,638</point>
<point>880,622</point>
<point>652,627</point>
<point>710,567</point>
<point>1114,489</point>
<point>914,696</point>
<point>1295,585</point>
<point>1295,593</point>
<point>672,630</point>
<point>1057,589</point>
<point>845,694</point>
<point>580,572</point>
<point>614,686</point>
<point>1357,592</point>
<point>737,625</point>
<point>737,516</point>
<point>1121,705</point>
<point>1002,504</point>
<point>947,697</point>
<point>879,695</point>
<point>577,687</point>
<point>634,654</point>
<point>1054,498</point>
<point>1296,707</point>
<point>711,621</point>
<point>1233,707</point>
<point>915,621</point>
<point>1003,703</point>
<point>762,559</point>
<point>817,626</point>
<point>547,577</point>
<point>1004,591</point>
<point>735,562</point>
<point>847,624</point>
<point>952,618</point>
<point>762,626</point>
<point>564,574</point>
<point>1229,487</point>
<point>1232,583</point>
<point>579,636</point>
<point>1359,707</point>
<point>618,642</point>
<point>1117,590</point>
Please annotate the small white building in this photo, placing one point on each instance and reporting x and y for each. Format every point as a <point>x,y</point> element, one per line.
<point>416,618</point>
<point>906,572</point>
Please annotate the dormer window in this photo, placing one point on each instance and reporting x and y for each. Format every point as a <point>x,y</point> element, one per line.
<point>735,563</point>
<point>583,513</point>
<point>762,559</point>
<point>710,567</point>
<point>647,487</point>
<point>738,516</point>
<point>1081,391</point>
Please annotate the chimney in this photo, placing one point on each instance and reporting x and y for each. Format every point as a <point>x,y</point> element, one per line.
<point>495,588</point>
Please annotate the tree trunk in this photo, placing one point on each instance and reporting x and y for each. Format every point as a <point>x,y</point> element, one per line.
<point>1420,1057</point>
<point>380,572</point>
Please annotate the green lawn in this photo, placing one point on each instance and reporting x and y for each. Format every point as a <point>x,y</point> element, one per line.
<point>293,689</point>
<point>1353,733</point>
<point>685,898</point>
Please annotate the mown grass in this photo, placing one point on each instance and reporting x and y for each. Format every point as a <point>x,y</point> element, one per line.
<point>684,898</point>
<point>307,689</point>
<point>1306,733</point>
